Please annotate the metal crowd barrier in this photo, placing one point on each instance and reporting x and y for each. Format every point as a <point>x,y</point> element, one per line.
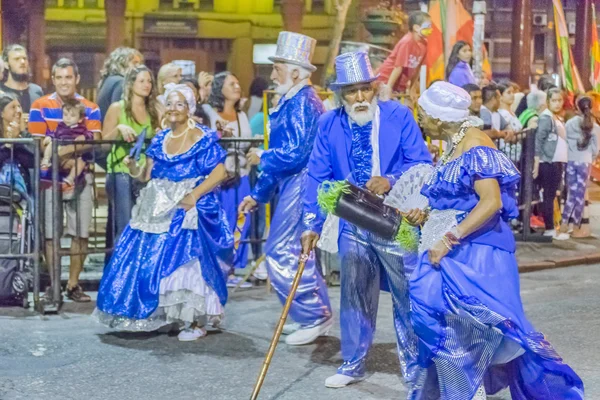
<point>522,154</point>
<point>96,234</point>
<point>28,222</point>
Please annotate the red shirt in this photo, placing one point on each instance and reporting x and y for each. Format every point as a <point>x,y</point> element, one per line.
<point>408,54</point>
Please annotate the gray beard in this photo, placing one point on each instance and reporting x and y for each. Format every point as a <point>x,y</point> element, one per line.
<point>283,88</point>
<point>363,117</point>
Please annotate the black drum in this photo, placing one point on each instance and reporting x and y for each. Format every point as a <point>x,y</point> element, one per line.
<point>367,211</point>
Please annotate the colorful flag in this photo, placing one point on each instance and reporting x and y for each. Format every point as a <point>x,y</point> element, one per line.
<point>451,22</point>
<point>595,54</point>
<point>570,75</point>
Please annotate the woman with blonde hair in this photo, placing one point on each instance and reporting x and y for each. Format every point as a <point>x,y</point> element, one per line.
<point>168,73</point>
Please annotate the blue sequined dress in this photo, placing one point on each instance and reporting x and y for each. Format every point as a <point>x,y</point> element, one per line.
<point>468,313</point>
<point>165,268</point>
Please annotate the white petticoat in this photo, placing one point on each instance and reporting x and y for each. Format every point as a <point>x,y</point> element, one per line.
<point>184,297</point>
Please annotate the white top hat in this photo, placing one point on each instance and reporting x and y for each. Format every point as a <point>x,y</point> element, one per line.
<point>294,48</point>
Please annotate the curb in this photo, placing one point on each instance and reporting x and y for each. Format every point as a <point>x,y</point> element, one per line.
<point>592,258</point>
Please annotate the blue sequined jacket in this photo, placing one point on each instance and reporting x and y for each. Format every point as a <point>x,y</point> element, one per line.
<point>294,125</point>
<point>401,146</point>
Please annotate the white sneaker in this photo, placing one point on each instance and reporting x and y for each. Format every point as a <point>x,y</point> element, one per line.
<point>233,281</point>
<point>261,272</point>
<point>561,236</point>
<point>189,334</point>
<point>550,233</point>
<point>308,335</point>
<point>339,381</point>
<point>290,328</point>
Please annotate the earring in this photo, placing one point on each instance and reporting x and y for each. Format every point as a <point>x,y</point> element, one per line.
<point>163,123</point>
<point>191,123</point>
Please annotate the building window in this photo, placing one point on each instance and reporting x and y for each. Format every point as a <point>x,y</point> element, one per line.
<point>318,7</point>
<point>539,47</point>
<point>71,3</point>
<point>165,4</point>
<point>503,4</point>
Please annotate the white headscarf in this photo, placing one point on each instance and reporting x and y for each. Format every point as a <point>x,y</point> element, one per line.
<point>446,102</point>
<point>185,90</point>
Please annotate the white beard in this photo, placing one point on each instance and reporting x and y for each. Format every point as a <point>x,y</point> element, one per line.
<point>282,88</point>
<point>361,118</point>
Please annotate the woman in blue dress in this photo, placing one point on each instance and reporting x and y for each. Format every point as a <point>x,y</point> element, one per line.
<point>165,268</point>
<point>466,306</point>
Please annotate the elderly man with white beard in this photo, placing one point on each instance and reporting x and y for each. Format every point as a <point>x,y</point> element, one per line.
<point>371,144</point>
<point>293,127</point>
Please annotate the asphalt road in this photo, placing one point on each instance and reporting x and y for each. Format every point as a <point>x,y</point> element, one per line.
<point>69,356</point>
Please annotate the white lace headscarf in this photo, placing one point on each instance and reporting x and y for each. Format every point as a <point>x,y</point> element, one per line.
<point>446,102</point>
<point>187,93</point>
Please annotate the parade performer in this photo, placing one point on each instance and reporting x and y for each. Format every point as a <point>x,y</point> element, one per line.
<point>165,267</point>
<point>293,127</point>
<point>473,335</point>
<point>371,144</point>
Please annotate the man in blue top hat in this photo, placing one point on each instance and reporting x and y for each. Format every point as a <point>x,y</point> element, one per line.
<point>293,127</point>
<point>371,143</point>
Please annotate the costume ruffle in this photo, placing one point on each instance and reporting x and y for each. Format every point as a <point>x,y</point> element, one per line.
<point>362,153</point>
<point>456,180</point>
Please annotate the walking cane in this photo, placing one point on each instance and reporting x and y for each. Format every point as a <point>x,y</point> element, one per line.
<point>279,328</point>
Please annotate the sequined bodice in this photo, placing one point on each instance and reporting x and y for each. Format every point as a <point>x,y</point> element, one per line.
<point>452,186</point>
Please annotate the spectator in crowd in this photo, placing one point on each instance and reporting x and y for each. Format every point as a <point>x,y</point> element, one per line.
<point>204,82</point>
<point>17,82</point>
<point>46,114</point>
<point>255,103</point>
<point>224,114</point>
<point>112,76</point>
<point>536,104</point>
<point>126,120</point>
<point>192,84</point>
<point>168,73</point>
<point>400,71</point>
<point>493,124</point>
<point>72,127</point>
<point>551,154</point>
<point>13,155</point>
<point>582,139</point>
<point>458,69</point>
<point>507,99</point>
<point>165,269</point>
<point>476,99</point>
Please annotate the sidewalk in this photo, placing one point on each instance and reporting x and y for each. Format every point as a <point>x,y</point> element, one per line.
<point>537,256</point>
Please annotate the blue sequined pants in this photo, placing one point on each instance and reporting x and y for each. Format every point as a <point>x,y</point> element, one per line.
<point>370,263</point>
<point>311,304</point>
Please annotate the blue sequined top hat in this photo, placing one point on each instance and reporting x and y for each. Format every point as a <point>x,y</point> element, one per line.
<point>352,68</point>
<point>294,48</point>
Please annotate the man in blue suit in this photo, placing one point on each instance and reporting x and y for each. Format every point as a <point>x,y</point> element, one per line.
<point>369,143</point>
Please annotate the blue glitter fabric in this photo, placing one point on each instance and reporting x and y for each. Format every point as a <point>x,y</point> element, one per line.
<point>293,130</point>
<point>467,313</point>
<point>130,284</point>
<point>362,153</point>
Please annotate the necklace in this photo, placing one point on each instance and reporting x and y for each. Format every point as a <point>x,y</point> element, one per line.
<point>179,135</point>
<point>455,141</point>
<point>171,137</point>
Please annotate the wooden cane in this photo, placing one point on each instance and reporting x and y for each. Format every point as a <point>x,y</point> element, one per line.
<point>279,328</point>
<point>250,272</point>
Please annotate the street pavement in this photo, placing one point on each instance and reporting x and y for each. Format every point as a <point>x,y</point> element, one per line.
<point>69,356</point>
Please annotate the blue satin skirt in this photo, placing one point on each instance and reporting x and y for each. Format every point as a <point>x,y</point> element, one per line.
<point>472,329</point>
<point>311,304</point>
<point>231,197</point>
<point>130,285</point>
<point>368,262</point>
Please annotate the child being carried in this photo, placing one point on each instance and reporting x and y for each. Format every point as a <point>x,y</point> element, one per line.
<point>72,127</point>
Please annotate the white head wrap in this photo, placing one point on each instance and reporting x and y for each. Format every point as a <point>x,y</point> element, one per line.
<point>185,90</point>
<point>446,102</point>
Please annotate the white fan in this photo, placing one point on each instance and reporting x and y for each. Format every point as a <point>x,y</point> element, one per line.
<point>406,193</point>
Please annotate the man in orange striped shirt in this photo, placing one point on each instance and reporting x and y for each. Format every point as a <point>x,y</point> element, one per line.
<point>44,117</point>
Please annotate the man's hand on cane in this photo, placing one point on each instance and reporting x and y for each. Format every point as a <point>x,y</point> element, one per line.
<point>309,241</point>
